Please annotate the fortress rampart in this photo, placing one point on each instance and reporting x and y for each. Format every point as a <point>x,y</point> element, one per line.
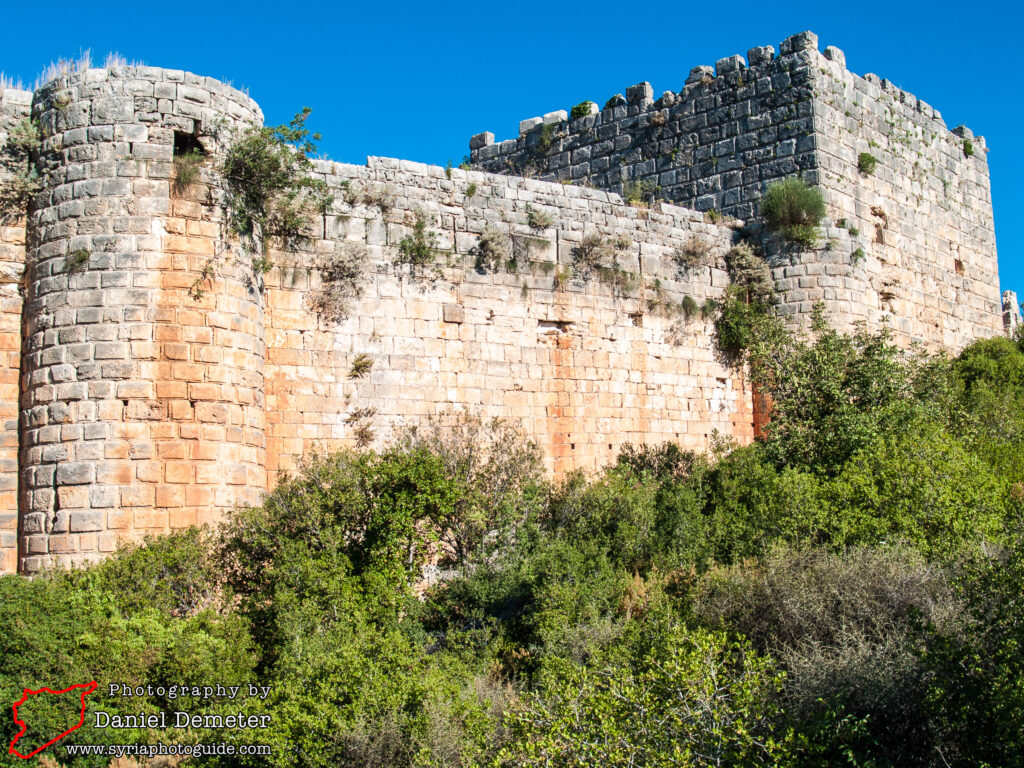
<point>912,244</point>
<point>151,378</point>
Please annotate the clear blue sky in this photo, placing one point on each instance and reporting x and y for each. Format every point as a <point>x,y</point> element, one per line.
<point>415,80</point>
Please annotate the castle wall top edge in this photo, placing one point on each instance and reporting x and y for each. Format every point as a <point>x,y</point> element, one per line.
<point>554,188</point>
<point>15,96</point>
<point>758,57</point>
<point>151,74</point>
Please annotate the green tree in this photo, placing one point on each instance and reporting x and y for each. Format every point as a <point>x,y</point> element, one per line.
<point>662,696</point>
<point>977,684</point>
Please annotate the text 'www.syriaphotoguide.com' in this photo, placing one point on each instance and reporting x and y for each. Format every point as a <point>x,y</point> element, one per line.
<point>155,750</point>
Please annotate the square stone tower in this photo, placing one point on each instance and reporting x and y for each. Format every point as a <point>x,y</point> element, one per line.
<point>909,240</point>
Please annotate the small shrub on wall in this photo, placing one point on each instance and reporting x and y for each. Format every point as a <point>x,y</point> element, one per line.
<point>23,183</point>
<point>418,250</point>
<point>492,251</point>
<point>794,210</point>
<point>341,276</point>
<point>270,191</point>
<point>692,254</point>
<point>866,163</point>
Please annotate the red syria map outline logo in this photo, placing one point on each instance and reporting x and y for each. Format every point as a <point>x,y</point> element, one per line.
<point>89,688</point>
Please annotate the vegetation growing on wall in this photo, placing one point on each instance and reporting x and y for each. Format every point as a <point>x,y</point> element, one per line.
<point>693,253</point>
<point>493,251</point>
<point>596,256</point>
<point>866,163</point>
<point>187,168</point>
<point>418,250</point>
<point>341,275</point>
<point>639,194</point>
<point>22,183</point>
<point>583,109</point>
<point>538,219</point>
<point>751,273</point>
<point>745,315</point>
<point>377,196</point>
<point>76,261</point>
<point>271,193</point>
<point>794,210</point>
<point>845,591</point>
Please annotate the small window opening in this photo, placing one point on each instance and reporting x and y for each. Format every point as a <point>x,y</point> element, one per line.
<point>188,161</point>
<point>187,144</point>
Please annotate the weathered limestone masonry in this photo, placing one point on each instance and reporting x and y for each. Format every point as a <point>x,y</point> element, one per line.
<point>14,106</point>
<point>1011,312</point>
<point>911,246</point>
<point>584,367</point>
<point>146,406</point>
<point>141,409</point>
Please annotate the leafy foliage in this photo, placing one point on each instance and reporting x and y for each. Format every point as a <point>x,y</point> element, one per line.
<point>794,210</point>
<point>17,192</point>
<point>662,696</point>
<point>418,250</point>
<point>975,688</point>
<point>583,109</point>
<point>742,324</point>
<point>270,190</point>
<point>866,163</point>
<point>135,620</point>
<point>639,194</point>
<point>498,474</point>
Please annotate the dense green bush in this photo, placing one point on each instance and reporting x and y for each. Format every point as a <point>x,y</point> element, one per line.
<point>976,689</point>
<point>866,163</point>
<point>846,628</point>
<point>583,109</point>
<point>662,695</point>
<point>794,210</point>
<point>742,325</point>
<point>270,190</point>
<point>145,617</point>
<point>831,393</point>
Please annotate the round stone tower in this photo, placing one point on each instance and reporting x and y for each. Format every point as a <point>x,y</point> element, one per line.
<point>143,345</point>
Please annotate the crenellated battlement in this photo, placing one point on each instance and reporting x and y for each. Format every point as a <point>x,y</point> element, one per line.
<point>910,240</point>
<point>764,88</point>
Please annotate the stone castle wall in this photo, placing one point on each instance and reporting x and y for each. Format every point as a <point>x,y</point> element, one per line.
<point>911,246</point>
<point>163,382</point>
<point>14,107</point>
<point>923,217</point>
<point>584,366</point>
<point>164,379</point>
<point>713,145</point>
